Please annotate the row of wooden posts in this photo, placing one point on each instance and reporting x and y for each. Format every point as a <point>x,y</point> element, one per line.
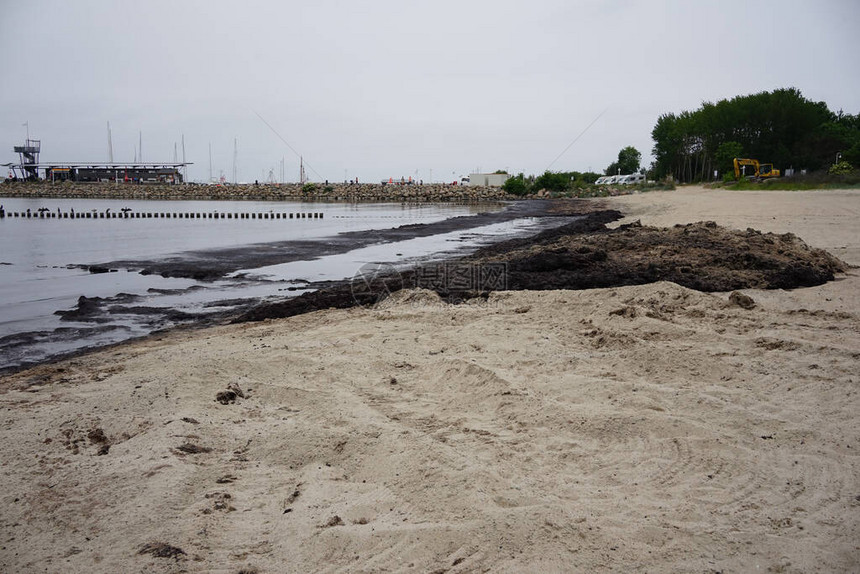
<point>157,215</point>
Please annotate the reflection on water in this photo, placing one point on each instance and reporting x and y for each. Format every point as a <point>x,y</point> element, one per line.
<point>37,277</point>
<point>64,241</point>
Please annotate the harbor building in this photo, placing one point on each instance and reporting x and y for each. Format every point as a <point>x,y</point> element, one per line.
<point>30,168</point>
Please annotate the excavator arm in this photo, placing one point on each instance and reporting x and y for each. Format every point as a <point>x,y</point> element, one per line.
<point>741,162</point>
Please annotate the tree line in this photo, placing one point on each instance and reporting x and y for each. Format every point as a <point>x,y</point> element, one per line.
<point>780,127</point>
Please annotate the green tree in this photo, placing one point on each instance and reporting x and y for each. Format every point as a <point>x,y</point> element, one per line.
<point>852,154</point>
<point>628,160</point>
<point>780,127</point>
<point>667,149</point>
<point>726,153</point>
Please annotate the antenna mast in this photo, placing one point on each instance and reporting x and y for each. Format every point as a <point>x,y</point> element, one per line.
<point>303,178</point>
<point>140,147</point>
<point>110,145</point>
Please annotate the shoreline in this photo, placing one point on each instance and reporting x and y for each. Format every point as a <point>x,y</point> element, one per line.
<point>214,264</point>
<point>588,263</point>
<point>211,264</point>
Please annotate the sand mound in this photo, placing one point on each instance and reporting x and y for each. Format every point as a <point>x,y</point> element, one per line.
<point>410,298</point>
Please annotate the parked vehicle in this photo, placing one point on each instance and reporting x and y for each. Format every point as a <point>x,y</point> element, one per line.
<point>601,180</point>
<point>762,170</point>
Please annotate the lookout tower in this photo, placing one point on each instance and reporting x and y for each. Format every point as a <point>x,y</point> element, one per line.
<point>29,158</point>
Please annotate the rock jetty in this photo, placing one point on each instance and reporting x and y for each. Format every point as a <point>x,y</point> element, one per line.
<point>258,192</point>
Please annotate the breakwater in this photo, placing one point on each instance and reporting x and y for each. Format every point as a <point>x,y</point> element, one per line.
<point>45,213</point>
<point>257,192</point>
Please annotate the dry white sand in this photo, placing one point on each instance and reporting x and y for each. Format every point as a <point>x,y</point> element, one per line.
<point>649,428</point>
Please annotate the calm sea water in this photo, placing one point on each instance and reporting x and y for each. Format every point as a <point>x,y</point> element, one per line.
<point>36,254</point>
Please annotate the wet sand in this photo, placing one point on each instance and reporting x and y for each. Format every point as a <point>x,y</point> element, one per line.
<point>216,263</point>
<point>644,427</point>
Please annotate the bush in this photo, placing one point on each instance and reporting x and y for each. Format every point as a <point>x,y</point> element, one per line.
<point>552,181</point>
<point>309,187</point>
<point>841,168</point>
<point>515,186</point>
<point>588,177</point>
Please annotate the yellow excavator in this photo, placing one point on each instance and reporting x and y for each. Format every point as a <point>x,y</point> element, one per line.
<point>762,170</point>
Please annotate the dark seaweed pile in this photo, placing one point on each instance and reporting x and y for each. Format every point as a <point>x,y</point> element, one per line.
<point>587,254</point>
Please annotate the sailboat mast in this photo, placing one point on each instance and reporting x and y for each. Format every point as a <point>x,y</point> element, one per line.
<point>235,158</point>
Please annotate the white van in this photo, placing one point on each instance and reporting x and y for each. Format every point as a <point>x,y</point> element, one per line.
<point>601,180</point>
<point>634,179</point>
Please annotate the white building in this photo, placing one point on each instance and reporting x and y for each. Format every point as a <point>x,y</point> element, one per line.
<point>488,179</point>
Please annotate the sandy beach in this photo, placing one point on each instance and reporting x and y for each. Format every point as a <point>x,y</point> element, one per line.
<point>643,428</point>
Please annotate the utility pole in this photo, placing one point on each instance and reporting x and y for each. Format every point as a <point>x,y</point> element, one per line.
<point>184,163</point>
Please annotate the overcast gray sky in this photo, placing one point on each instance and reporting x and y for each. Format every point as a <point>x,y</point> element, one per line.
<point>391,88</point>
